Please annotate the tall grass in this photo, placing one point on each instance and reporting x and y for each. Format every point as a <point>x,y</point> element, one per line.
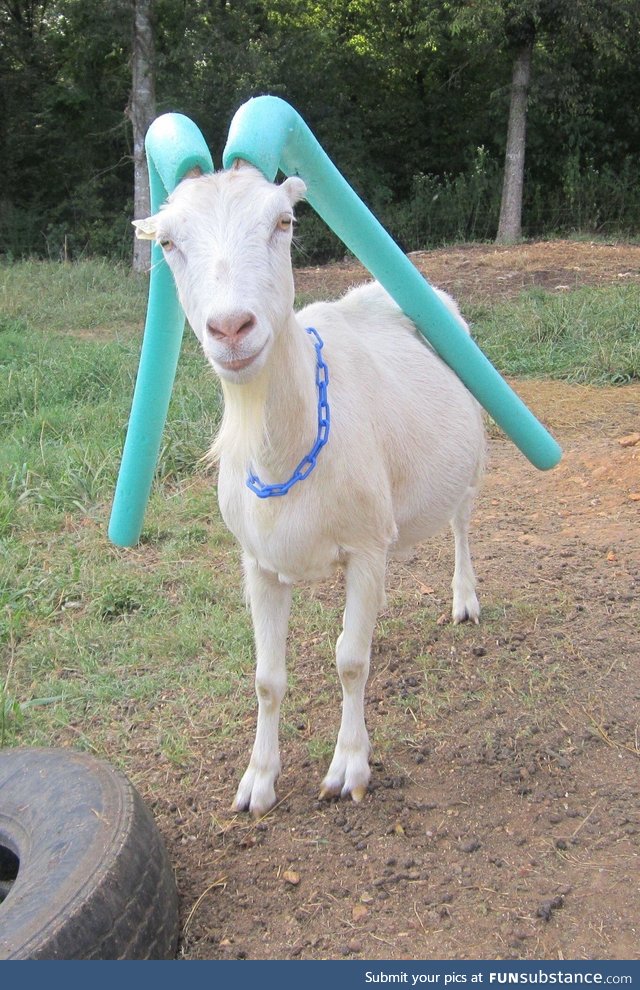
<point>96,295</point>
<point>64,405</point>
<point>82,626</point>
<point>586,336</point>
<point>446,209</point>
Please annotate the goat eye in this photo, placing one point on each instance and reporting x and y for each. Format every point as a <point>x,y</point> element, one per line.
<point>166,244</point>
<point>285,222</point>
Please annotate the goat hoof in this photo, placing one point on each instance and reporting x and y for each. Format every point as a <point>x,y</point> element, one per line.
<point>358,793</point>
<point>459,619</point>
<point>328,793</point>
<point>469,612</point>
<point>256,793</point>
<point>256,811</point>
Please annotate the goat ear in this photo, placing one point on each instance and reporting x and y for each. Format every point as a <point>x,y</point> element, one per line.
<point>294,188</point>
<point>239,163</point>
<point>193,173</point>
<point>146,229</point>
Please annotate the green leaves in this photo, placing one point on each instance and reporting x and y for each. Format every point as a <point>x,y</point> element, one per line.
<point>392,88</point>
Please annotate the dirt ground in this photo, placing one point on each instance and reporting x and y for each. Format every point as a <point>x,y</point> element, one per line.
<point>503,819</point>
<point>474,272</point>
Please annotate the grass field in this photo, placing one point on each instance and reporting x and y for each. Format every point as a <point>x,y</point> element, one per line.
<point>588,336</point>
<point>88,631</point>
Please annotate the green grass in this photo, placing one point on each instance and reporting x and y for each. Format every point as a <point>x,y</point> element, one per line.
<point>92,295</point>
<point>100,645</point>
<point>587,336</point>
<point>81,624</point>
<point>64,404</point>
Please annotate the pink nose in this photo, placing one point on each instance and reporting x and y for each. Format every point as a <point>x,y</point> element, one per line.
<point>231,326</point>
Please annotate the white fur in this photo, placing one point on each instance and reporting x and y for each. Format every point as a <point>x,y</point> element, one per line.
<point>404,456</point>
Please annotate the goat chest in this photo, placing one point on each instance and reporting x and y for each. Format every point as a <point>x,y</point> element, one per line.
<point>286,535</point>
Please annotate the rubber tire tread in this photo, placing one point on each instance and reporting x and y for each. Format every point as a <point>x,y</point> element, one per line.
<point>94,880</point>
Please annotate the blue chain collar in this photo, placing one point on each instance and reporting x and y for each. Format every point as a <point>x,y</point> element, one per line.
<point>307,464</point>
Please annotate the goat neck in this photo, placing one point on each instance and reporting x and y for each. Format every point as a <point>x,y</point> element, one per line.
<point>269,422</point>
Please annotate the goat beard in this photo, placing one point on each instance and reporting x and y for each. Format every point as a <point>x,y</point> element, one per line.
<point>243,434</point>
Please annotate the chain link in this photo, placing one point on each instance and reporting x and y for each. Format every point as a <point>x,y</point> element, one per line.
<point>307,464</point>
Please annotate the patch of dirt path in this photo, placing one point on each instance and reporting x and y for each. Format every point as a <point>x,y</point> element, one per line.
<point>477,272</point>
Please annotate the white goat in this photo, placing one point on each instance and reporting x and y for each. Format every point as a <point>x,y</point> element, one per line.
<point>402,461</point>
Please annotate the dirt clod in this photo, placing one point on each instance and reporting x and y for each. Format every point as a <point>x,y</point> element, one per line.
<point>546,909</point>
<point>471,846</point>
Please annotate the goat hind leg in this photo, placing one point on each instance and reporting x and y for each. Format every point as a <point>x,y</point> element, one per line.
<point>349,771</point>
<point>270,602</point>
<point>465,601</point>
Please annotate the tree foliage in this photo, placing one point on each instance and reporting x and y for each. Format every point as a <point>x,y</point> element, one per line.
<point>407,96</point>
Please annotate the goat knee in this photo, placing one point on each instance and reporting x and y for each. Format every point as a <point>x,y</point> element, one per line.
<point>351,666</point>
<point>269,691</point>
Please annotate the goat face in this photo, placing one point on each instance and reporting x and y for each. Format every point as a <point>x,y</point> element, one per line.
<point>227,238</point>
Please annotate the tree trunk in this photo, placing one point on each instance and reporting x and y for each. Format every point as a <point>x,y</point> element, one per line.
<point>141,111</point>
<point>510,225</point>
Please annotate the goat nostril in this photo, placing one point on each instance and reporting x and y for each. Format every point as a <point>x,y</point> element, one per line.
<point>230,327</point>
<point>248,325</point>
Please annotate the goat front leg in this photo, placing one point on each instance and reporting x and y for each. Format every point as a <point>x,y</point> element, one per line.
<point>270,602</point>
<point>349,771</point>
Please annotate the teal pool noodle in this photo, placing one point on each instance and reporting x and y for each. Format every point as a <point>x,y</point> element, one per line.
<point>270,134</point>
<point>174,146</point>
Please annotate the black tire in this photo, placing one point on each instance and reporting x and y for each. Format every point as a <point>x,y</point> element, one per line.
<point>94,880</point>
